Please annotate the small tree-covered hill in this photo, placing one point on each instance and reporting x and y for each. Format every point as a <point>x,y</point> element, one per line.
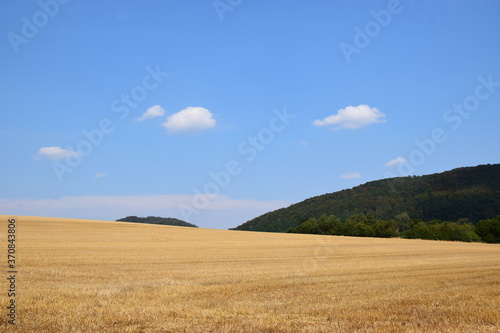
<point>471,192</point>
<point>157,220</point>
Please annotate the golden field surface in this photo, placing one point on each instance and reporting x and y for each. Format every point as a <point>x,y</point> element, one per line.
<point>97,276</point>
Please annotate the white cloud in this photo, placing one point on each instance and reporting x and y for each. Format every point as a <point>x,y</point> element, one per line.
<point>55,153</point>
<point>190,119</point>
<point>152,112</point>
<point>352,117</point>
<point>221,211</point>
<point>304,143</point>
<point>396,161</point>
<point>351,175</point>
<point>101,175</point>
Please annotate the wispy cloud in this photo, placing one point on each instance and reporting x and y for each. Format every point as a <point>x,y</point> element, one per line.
<point>352,117</point>
<point>222,212</point>
<point>101,175</point>
<point>152,112</point>
<point>189,120</point>
<point>55,153</point>
<point>396,161</point>
<point>351,175</point>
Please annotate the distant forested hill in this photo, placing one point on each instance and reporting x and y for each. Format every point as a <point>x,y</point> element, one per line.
<point>471,193</point>
<point>157,220</point>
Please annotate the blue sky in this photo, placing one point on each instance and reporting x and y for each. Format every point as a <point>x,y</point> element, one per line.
<point>218,111</point>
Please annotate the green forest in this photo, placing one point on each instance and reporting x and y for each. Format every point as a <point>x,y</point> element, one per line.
<point>419,204</point>
<point>361,225</point>
<point>157,220</point>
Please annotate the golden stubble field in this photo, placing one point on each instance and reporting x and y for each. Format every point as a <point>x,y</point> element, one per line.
<point>97,276</point>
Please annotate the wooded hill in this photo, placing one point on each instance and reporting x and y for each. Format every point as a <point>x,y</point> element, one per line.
<point>471,193</point>
<point>157,220</point>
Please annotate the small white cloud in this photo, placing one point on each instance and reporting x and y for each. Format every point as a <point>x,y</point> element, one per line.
<point>396,161</point>
<point>351,175</point>
<point>304,143</point>
<point>189,120</point>
<point>352,117</point>
<point>55,153</point>
<point>101,175</point>
<point>152,112</point>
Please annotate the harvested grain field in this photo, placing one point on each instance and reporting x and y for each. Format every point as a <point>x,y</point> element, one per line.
<point>97,276</point>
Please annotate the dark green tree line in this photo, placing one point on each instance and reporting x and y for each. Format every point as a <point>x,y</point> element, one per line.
<point>367,225</point>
